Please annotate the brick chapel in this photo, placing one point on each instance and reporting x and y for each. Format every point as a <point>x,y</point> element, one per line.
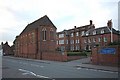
<point>37,37</point>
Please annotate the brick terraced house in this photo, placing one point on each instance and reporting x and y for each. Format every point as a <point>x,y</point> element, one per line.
<point>70,40</point>
<point>37,37</point>
<point>99,36</point>
<point>85,37</point>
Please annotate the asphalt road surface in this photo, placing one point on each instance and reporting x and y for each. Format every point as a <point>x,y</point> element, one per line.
<point>13,67</point>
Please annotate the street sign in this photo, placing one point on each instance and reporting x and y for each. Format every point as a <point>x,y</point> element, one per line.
<point>107,51</point>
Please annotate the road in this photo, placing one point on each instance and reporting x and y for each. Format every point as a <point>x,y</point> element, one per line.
<point>14,67</point>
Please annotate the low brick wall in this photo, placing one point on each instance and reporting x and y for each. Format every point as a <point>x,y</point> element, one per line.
<point>105,59</point>
<point>53,56</point>
<point>74,57</point>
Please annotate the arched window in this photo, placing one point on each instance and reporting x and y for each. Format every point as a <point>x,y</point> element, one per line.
<point>52,34</point>
<point>44,32</point>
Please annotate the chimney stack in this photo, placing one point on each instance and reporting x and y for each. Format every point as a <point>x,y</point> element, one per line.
<point>74,26</point>
<point>1,43</point>
<point>6,43</point>
<point>109,24</point>
<point>91,22</point>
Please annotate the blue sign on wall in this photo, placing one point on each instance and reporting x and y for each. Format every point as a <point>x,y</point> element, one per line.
<point>107,51</point>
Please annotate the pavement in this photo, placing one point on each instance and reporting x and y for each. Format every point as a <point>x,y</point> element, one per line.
<point>85,63</point>
<point>98,67</point>
<point>82,63</point>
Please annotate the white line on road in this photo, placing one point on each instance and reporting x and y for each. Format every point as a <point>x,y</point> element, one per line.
<point>98,70</point>
<point>32,73</point>
<point>36,65</point>
<point>41,66</point>
<point>79,68</point>
<point>25,63</point>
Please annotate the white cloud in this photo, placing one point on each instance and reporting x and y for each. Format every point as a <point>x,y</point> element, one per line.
<point>65,14</point>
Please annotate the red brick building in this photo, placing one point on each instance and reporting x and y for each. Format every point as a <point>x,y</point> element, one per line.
<point>5,49</point>
<point>99,36</point>
<point>71,39</point>
<point>85,37</point>
<point>37,37</point>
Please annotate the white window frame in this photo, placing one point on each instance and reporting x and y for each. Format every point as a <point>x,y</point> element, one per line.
<point>71,34</point>
<point>71,41</point>
<point>77,33</point>
<point>61,41</point>
<point>94,32</point>
<point>94,40</point>
<point>82,33</point>
<point>85,41</point>
<point>66,41</point>
<point>99,39</point>
<point>102,31</point>
<point>89,40</point>
<point>61,35</point>
<point>87,33</point>
<point>105,39</point>
<point>44,35</point>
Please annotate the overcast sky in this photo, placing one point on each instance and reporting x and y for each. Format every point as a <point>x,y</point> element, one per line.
<point>65,14</point>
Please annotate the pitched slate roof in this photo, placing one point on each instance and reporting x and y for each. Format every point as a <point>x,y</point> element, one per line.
<point>40,22</point>
<point>98,31</point>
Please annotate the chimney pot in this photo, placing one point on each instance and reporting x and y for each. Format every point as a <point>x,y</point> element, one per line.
<point>109,24</point>
<point>91,22</point>
<point>74,26</point>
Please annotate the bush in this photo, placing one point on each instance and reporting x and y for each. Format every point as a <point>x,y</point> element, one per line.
<point>76,54</point>
<point>115,43</point>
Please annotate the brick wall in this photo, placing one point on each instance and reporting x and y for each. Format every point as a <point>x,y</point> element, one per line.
<point>105,59</point>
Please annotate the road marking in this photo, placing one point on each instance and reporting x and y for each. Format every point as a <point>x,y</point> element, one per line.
<point>25,63</point>
<point>32,73</point>
<point>41,66</point>
<point>20,62</point>
<point>79,68</point>
<point>108,71</point>
<point>36,65</point>
<point>98,70</point>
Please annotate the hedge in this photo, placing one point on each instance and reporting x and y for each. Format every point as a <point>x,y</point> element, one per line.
<point>76,54</point>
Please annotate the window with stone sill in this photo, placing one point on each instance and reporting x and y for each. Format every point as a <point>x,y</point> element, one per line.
<point>72,41</point>
<point>52,34</point>
<point>105,39</point>
<point>89,47</point>
<point>85,41</point>
<point>77,33</point>
<point>82,33</point>
<point>94,32</point>
<point>44,34</point>
<point>99,39</point>
<point>57,42</point>
<point>94,40</point>
<point>77,47</point>
<point>102,31</point>
<point>61,41</point>
<point>77,41</point>
<point>61,35</point>
<point>87,33</point>
<point>71,34</point>
<point>66,41</point>
<point>89,40</point>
